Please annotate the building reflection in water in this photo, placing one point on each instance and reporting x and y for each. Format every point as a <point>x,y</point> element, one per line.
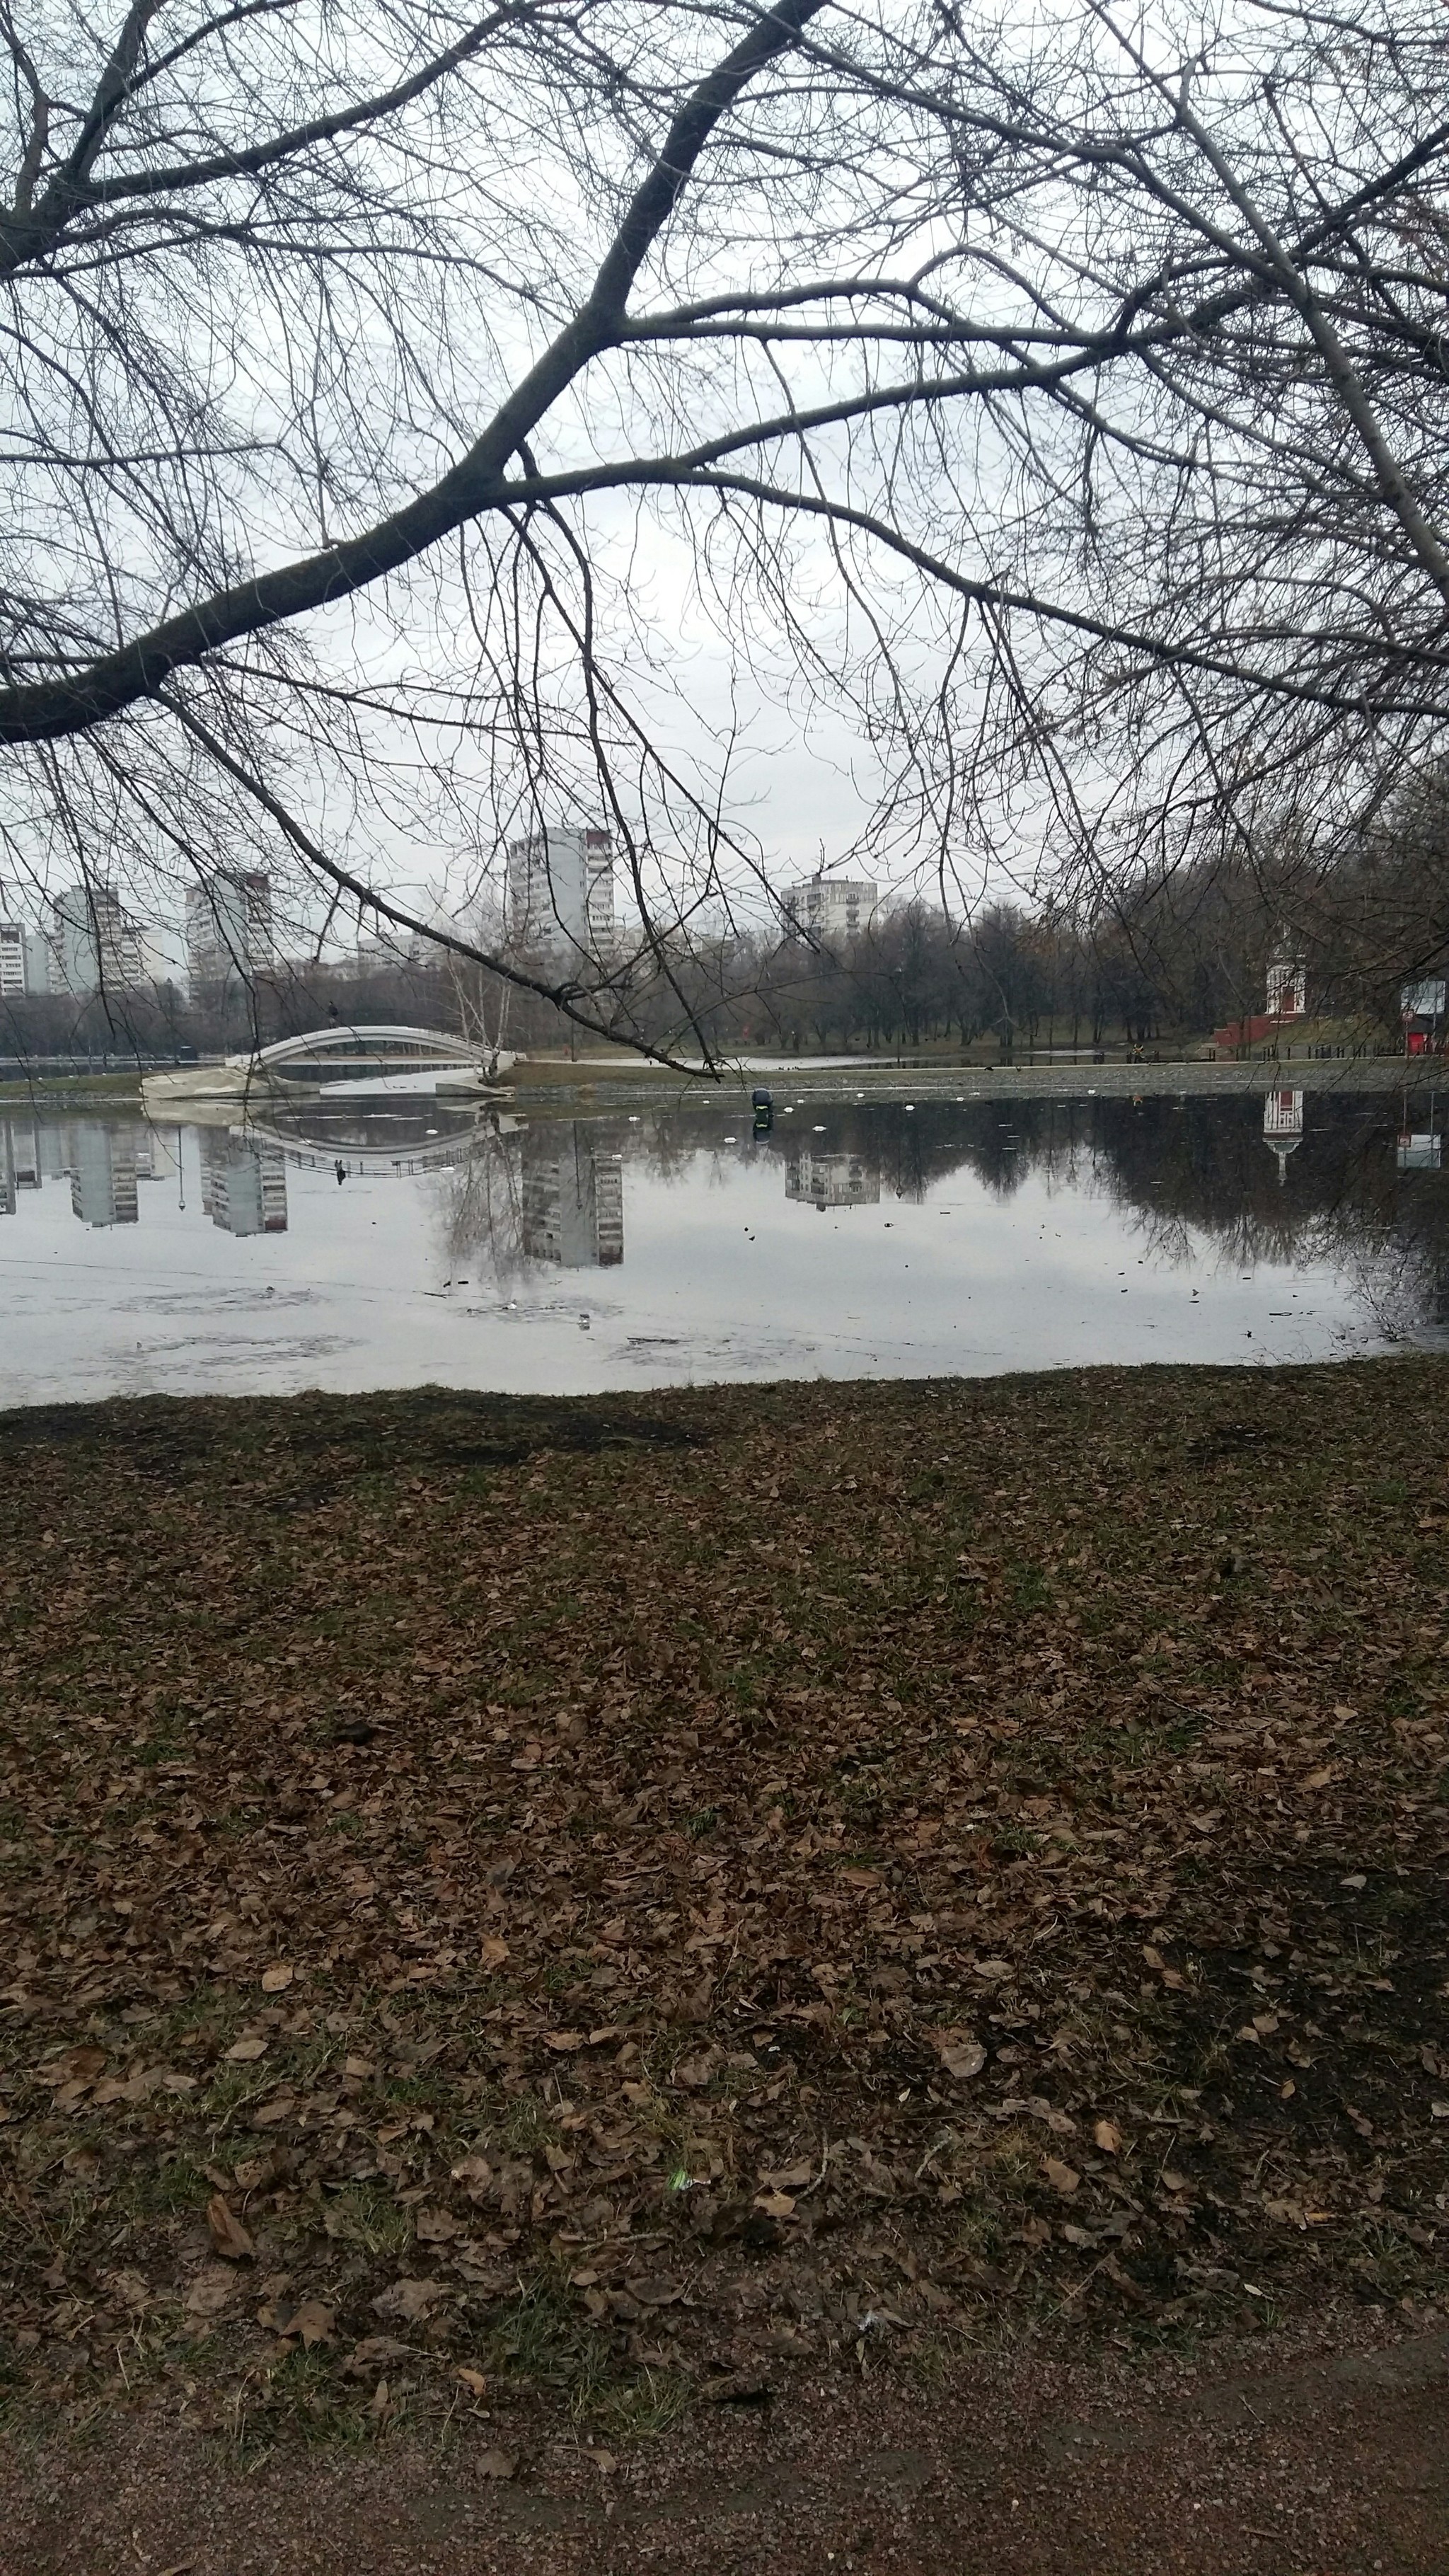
<point>832,1180</point>
<point>243,1185</point>
<point>1369,1193</point>
<point>22,1152</point>
<point>1283,1126</point>
<point>572,1200</point>
<point>103,1175</point>
<point>103,1163</point>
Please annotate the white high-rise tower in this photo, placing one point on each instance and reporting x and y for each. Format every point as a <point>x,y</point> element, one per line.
<point>561,896</point>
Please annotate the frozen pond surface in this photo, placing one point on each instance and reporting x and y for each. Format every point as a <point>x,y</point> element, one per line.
<point>856,1239</point>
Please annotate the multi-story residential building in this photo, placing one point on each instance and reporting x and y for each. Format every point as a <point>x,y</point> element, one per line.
<point>561,896</point>
<point>23,955</point>
<point>94,944</point>
<point>229,930</point>
<point>829,907</point>
<point>378,950</point>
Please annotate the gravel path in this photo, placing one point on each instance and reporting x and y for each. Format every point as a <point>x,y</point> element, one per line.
<point>1293,2459</point>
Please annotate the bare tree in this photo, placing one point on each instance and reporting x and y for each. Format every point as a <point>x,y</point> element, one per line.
<point>1064,399</point>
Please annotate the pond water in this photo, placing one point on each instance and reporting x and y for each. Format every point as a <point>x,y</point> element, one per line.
<point>858,1238</point>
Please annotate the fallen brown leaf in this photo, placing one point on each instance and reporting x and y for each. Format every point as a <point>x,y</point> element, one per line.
<point>407,2302</point>
<point>228,2236</point>
<point>313,2321</point>
<point>475,2173</point>
<point>961,2056</point>
<point>210,2291</point>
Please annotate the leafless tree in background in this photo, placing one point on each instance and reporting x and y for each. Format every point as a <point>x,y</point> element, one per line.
<point>1060,394</point>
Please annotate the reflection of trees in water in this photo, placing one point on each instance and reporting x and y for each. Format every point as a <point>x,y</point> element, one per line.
<point>1401,1278</point>
<point>909,1152</point>
<point>548,1196</point>
<point>481,1202</point>
<point>1337,1198</point>
<point>1184,1169</point>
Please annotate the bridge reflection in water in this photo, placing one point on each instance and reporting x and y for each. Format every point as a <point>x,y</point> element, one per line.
<point>368,1136</point>
<point>555,1194</point>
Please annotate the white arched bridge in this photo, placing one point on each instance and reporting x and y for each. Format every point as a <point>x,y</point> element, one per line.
<point>344,1054</point>
<point>344,1051</point>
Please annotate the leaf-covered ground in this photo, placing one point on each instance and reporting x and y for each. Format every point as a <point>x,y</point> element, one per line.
<point>608,1897</point>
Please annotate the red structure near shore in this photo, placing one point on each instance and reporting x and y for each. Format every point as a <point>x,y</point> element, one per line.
<point>1287,999</point>
<point>1249,1032</point>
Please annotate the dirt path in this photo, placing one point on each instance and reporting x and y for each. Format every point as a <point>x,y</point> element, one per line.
<point>1306,2463</point>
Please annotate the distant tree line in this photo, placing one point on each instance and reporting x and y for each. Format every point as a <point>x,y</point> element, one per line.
<point>1172,954</point>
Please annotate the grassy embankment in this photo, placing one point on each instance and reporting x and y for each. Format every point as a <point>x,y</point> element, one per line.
<point>595,1897</point>
<point>61,1094</point>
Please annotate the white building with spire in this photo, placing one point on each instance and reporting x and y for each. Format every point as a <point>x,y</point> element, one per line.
<point>1287,996</point>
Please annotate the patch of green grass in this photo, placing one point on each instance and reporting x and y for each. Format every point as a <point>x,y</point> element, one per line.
<point>304,2391</point>
<point>526,2123</point>
<point>1183,1734</point>
<point>369,2215</point>
<point>165,1746</point>
<point>540,2340</point>
<point>860,1800</point>
<point>413,2092</point>
<point>159,2187</point>
<point>1030,1588</point>
<point>230,2089</point>
<point>1017,1840</point>
<point>979,2227</point>
<point>928,2360</point>
<point>635,2409</point>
